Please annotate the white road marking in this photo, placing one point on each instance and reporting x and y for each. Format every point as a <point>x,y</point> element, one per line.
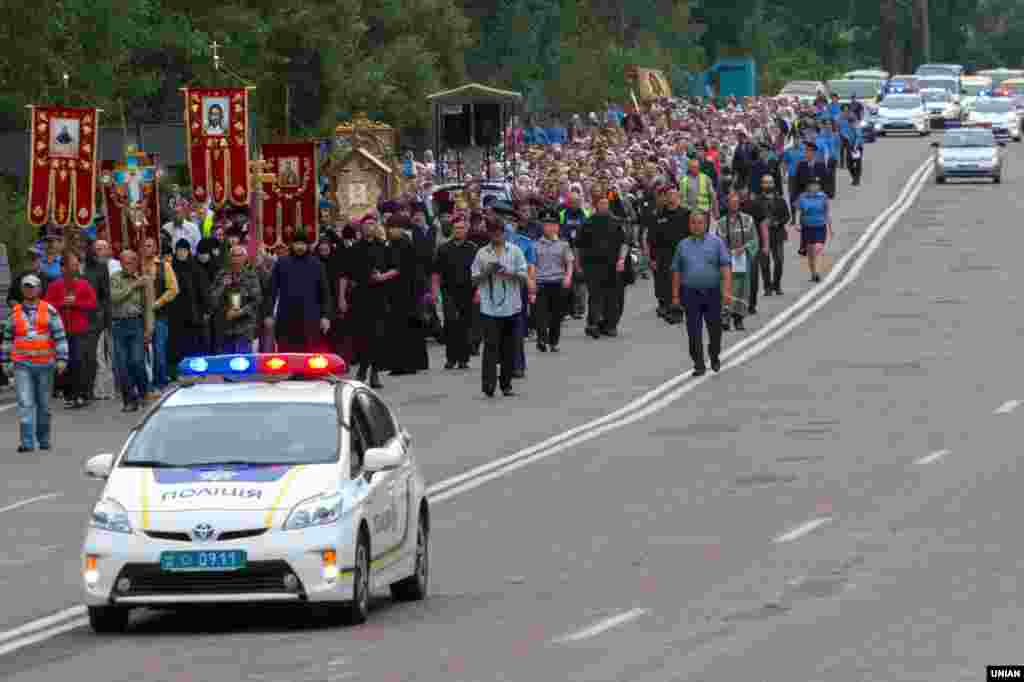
<point>928,459</point>
<point>601,626</point>
<point>677,386</point>
<point>1008,407</point>
<point>670,391</point>
<point>43,636</point>
<point>8,406</point>
<point>803,529</point>
<point>59,617</point>
<point>39,498</point>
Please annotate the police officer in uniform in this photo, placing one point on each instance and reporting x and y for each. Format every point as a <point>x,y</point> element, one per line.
<point>814,217</point>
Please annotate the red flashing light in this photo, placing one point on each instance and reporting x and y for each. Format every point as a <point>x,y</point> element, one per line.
<point>318,362</point>
<point>275,364</point>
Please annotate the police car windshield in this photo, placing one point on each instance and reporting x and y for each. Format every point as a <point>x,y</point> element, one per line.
<point>901,102</point>
<point>993,106</point>
<point>941,84</point>
<point>969,138</point>
<point>252,433</point>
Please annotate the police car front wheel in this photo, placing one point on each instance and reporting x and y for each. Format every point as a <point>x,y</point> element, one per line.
<point>108,619</point>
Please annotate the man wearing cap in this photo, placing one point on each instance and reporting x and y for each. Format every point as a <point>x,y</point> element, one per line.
<point>554,280</point>
<point>14,294</point>
<point>501,273</point>
<point>33,344</point>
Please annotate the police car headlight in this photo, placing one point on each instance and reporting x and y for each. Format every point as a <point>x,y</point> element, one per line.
<point>315,511</point>
<point>109,515</point>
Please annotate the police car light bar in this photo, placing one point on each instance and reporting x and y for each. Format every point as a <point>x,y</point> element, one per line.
<point>263,364</point>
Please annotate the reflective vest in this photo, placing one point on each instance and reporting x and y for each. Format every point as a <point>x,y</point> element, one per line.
<point>703,191</point>
<point>40,349</point>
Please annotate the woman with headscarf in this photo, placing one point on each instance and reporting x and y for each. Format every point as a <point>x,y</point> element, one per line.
<point>372,269</point>
<point>208,261</point>
<point>185,314</point>
<point>407,348</point>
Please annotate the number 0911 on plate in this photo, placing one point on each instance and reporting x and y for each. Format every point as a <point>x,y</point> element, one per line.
<point>225,560</point>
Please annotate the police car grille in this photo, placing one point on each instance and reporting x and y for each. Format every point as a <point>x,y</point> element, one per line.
<point>240,534</point>
<point>164,535</point>
<point>257,577</point>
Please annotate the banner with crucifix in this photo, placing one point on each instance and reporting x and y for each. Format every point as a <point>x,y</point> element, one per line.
<point>62,177</point>
<point>131,197</point>
<point>217,139</point>
<point>290,199</point>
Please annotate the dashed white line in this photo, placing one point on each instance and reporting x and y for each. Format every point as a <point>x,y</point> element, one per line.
<point>928,459</point>
<point>601,626</point>
<point>22,503</point>
<point>803,529</point>
<point>1008,407</point>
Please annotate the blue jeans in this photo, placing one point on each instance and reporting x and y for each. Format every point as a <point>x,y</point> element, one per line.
<point>130,358</point>
<point>160,376</point>
<point>33,385</point>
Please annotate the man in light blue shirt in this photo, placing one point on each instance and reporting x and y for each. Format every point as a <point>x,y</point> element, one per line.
<point>500,274</point>
<point>702,280</point>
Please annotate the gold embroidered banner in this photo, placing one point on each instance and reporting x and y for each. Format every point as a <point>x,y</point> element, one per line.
<point>217,135</point>
<point>62,179</point>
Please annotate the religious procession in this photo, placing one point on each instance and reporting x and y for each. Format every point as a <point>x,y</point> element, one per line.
<point>507,228</point>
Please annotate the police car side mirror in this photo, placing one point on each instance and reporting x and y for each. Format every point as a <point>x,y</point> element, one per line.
<point>381,459</point>
<point>100,466</point>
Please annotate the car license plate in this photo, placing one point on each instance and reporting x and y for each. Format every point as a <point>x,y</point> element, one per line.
<point>226,560</point>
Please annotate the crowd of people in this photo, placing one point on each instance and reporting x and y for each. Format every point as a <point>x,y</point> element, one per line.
<point>686,193</point>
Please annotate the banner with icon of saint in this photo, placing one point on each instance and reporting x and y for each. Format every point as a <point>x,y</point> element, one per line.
<point>62,177</point>
<point>290,200</point>
<point>217,137</point>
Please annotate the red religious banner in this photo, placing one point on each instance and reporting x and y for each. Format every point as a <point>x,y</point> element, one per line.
<point>217,135</point>
<point>62,179</point>
<point>290,201</point>
<point>128,222</point>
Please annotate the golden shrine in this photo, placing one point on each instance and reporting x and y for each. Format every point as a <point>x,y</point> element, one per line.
<point>363,167</point>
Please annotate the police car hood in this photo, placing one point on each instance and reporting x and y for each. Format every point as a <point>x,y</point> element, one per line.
<point>220,488</point>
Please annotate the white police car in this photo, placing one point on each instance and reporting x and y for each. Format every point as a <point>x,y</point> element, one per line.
<point>281,483</point>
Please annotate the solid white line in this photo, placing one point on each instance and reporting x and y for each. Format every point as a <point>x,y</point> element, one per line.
<point>43,636</point>
<point>73,612</point>
<point>40,498</point>
<point>1008,407</point>
<point>8,406</point>
<point>489,472</point>
<point>803,529</point>
<point>913,186</point>
<point>928,459</point>
<point>601,626</point>
<point>670,391</point>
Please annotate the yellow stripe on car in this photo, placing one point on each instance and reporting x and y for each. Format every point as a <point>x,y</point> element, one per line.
<point>144,476</point>
<point>289,477</point>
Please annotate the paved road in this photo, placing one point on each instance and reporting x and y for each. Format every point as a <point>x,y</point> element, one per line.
<point>648,553</point>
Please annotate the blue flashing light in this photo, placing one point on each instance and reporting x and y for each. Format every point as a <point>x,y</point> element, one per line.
<point>197,365</point>
<point>239,364</point>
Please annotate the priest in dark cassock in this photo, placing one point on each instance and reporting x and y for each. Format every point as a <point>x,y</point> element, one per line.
<point>407,345</point>
<point>301,298</point>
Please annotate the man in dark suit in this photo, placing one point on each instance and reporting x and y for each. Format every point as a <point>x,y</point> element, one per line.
<point>809,168</point>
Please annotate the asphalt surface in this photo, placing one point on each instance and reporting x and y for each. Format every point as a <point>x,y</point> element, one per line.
<point>650,552</point>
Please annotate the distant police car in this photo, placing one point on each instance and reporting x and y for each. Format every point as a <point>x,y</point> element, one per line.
<point>1000,113</point>
<point>969,153</point>
<point>941,107</point>
<point>284,483</point>
<point>901,114</point>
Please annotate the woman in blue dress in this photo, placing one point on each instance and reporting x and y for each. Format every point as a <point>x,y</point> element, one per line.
<point>815,220</point>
